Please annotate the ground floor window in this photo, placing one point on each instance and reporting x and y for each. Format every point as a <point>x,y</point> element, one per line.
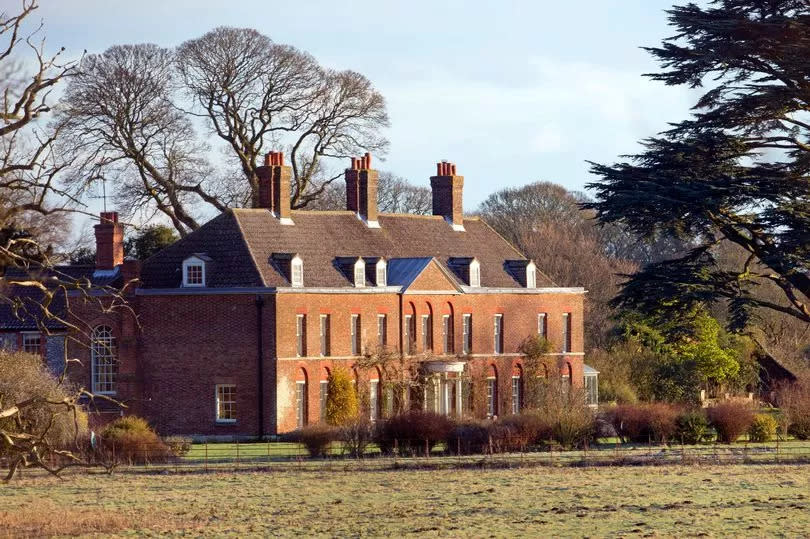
<point>301,403</point>
<point>324,396</point>
<point>31,343</point>
<point>226,403</point>
<point>516,394</point>
<point>374,400</point>
<point>492,397</point>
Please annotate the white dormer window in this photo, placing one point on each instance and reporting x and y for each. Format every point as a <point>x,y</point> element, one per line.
<point>475,273</point>
<point>382,273</point>
<point>359,273</point>
<point>194,271</point>
<point>531,275</point>
<point>297,272</point>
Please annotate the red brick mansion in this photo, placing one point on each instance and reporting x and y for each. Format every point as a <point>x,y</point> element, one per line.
<point>234,329</point>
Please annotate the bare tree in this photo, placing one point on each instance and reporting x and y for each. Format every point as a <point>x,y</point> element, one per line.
<point>395,194</point>
<point>254,92</point>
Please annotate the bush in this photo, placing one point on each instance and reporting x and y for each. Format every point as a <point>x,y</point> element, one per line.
<point>317,438</point>
<point>178,445</point>
<point>566,417</point>
<point>341,398</point>
<point>794,400</point>
<point>356,437</point>
<point>762,429</point>
<point>517,432</point>
<point>640,423</point>
<point>730,419</point>
<point>130,439</point>
<point>412,432</point>
<point>692,427</point>
<point>469,438</point>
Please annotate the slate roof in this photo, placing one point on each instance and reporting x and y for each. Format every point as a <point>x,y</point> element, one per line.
<point>240,243</point>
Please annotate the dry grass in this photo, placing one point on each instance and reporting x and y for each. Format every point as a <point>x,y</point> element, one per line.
<point>674,500</point>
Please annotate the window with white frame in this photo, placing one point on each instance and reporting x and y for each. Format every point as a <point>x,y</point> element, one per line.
<point>516,394</point>
<point>103,360</point>
<point>466,335</point>
<point>566,336</point>
<point>447,334</point>
<point>374,399</point>
<point>356,334</point>
<point>382,273</point>
<point>475,273</point>
<point>301,403</point>
<point>225,395</point>
<point>492,396</point>
<point>325,334</point>
<point>193,272</point>
<point>498,333</point>
<point>542,325</point>
<point>531,276</point>
<point>301,334</point>
<point>359,273</point>
<point>324,397</point>
<point>427,333</point>
<point>297,272</point>
<point>409,334</point>
<point>32,343</point>
<point>382,329</point>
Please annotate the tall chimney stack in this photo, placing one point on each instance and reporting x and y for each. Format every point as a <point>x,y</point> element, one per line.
<point>361,190</point>
<point>274,186</point>
<point>447,188</point>
<point>109,241</point>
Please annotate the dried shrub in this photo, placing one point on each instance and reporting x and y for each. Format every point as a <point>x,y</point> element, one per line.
<point>316,438</point>
<point>341,398</point>
<point>356,437</point>
<point>794,400</point>
<point>412,432</point>
<point>692,427</point>
<point>517,432</point>
<point>469,438</point>
<point>131,440</point>
<point>566,418</point>
<point>730,419</point>
<point>639,423</point>
<point>762,429</point>
<point>178,445</point>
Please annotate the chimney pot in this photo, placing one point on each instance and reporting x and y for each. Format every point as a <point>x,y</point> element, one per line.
<point>109,241</point>
<point>274,185</point>
<point>361,188</point>
<point>447,188</point>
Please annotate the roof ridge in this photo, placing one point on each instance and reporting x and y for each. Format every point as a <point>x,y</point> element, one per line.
<point>509,243</point>
<point>243,235</point>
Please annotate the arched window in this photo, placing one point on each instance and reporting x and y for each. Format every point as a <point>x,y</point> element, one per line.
<point>531,275</point>
<point>448,330</point>
<point>103,361</point>
<point>297,272</point>
<point>475,273</point>
<point>301,398</point>
<point>427,329</point>
<point>374,395</point>
<point>492,392</point>
<point>324,391</point>
<point>517,389</point>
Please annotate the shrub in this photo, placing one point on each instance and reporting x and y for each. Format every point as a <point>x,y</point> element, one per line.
<point>317,438</point>
<point>762,429</point>
<point>520,431</point>
<point>356,437</point>
<point>178,445</point>
<point>730,419</point>
<point>412,432</point>
<point>794,400</point>
<point>341,398</point>
<point>692,427</point>
<point>469,438</point>
<point>130,439</point>
<point>639,423</point>
<point>566,417</point>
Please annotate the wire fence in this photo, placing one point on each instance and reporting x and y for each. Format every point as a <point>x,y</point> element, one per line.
<point>419,454</point>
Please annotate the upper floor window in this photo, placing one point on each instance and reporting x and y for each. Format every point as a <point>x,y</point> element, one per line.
<point>382,273</point>
<point>542,325</point>
<point>301,334</point>
<point>32,343</point>
<point>427,333</point>
<point>103,360</point>
<point>325,333</point>
<point>356,334</point>
<point>466,333</point>
<point>498,333</point>
<point>531,275</point>
<point>297,272</point>
<point>410,330</point>
<point>194,271</point>
<point>447,333</point>
<point>566,336</point>
<point>475,273</point>
<point>359,273</point>
<point>382,329</point>
<point>226,403</point>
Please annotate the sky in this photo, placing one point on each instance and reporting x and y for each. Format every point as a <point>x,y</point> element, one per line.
<point>512,92</point>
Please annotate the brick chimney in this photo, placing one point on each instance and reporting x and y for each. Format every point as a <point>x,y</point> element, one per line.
<point>361,190</point>
<point>109,241</point>
<point>447,188</point>
<point>274,186</point>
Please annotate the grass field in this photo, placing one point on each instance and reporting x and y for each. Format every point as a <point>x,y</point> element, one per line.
<point>762,500</point>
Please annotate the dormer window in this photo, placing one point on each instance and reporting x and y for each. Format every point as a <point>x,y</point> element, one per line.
<point>359,273</point>
<point>475,273</point>
<point>531,275</point>
<point>382,273</point>
<point>194,270</point>
<point>297,272</point>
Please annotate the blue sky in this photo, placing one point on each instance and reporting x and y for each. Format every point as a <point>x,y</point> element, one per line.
<point>512,92</point>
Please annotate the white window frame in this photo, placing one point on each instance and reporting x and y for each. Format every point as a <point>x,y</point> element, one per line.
<point>475,273</point>
<point>28,335</point>
<point>324,397</point>
<point>374,399</point>
<point>566,333</point>
<point>297,272</point>
<point>466,337</point>
<point>359,273</point>
<point>382,273</point>
<point>355,334</point>
<point>382,329</point>
<point>497,333</point>
<point>409,338</point>
<point>492,396</point>
<point>447,334</point>
<point>325,331</point>
<point>516,394</point>
<point>301,335</point>
<point>427,333</point>
<point>542,325</point>
<point>193,262</point>
<point>531,275</point>
<point>301,404</point>
<point>102,347</point>
<point>218,402</point>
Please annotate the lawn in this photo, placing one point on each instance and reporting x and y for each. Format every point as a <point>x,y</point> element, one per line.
<point>748,500</point>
